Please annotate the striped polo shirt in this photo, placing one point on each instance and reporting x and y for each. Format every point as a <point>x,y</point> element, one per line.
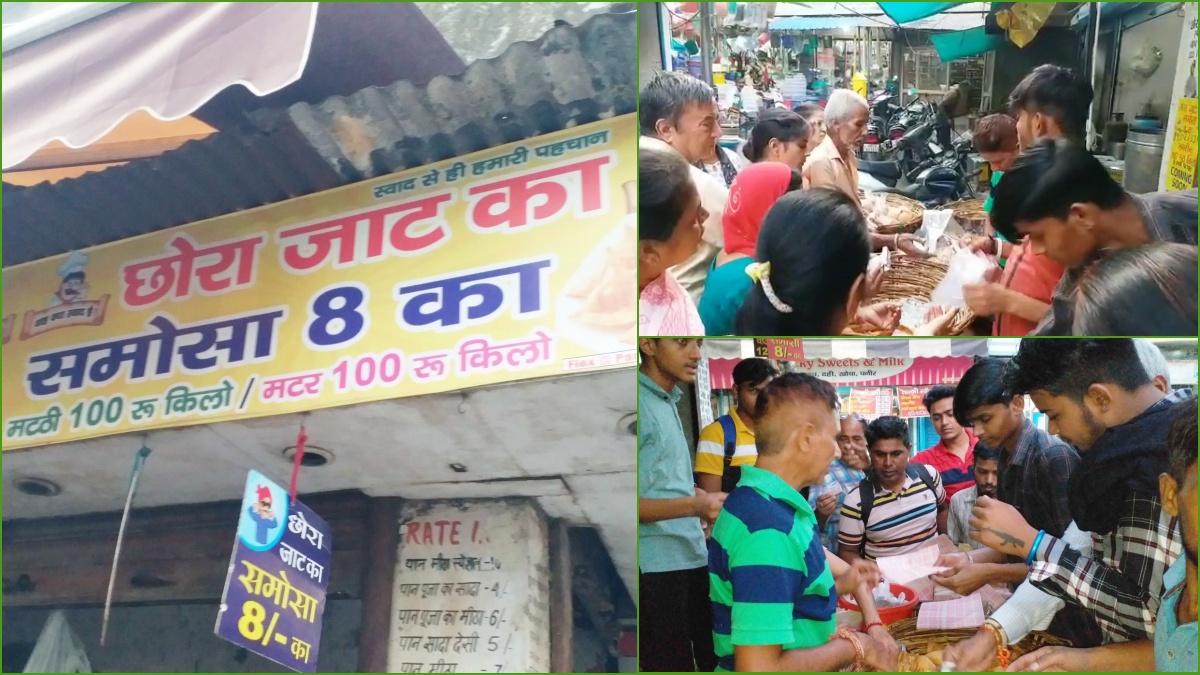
<point>900,522</point>
<point>710,450</point>
<point>770,583</point>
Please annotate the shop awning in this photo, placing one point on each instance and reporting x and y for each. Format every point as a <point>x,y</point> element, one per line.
<point>791,23</point>
<point>960,44</point>
<point>903,12</point>
<point>920,371</point>
<point>167,58</point>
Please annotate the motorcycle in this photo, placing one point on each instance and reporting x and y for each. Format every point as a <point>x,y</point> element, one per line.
<point>906,153</point>
<point>882,107</point>
<point>937,180</point>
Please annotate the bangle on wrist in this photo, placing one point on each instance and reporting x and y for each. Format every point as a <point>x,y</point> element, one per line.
<point>1037,541</point>
<point>860,656</point>
<point>1002,652</point>
<point>996,246</point>
<point>896,241</point>
<point>969,558</point>
<point>871,624</point>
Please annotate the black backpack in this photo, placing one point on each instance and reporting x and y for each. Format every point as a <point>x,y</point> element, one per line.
<point>730,475</point>
<point>866,495</point>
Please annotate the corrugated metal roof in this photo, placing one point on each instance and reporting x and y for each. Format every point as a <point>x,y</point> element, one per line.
<point>570,76</point>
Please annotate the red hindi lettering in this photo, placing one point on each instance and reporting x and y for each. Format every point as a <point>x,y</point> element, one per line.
<point>165,273</point>
<point>510,203</point>
<point>365,237</point>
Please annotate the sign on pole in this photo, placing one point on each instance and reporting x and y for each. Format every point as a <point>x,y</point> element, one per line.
<point>275,590</point>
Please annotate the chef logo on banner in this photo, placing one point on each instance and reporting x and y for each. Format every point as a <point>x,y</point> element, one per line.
<point>508,264</point>
<point>275,590</point>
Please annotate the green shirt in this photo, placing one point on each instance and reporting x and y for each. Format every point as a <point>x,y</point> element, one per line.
<point>987,207</point>
<point>665,472</point>
<point>770,582</point>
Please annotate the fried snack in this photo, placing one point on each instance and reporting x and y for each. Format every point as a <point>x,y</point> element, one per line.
<point>891,213</point>
<point>914,663</point>
<point>602,293</point>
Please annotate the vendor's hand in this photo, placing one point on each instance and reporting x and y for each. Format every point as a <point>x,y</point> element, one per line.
<point>885,315</point>
<point>986,299</point>
<point>937,322</point>
<point>912,245</point>
<point>1051,659</point>
<point>826,504</point>
<point>954,561</point>
<point>887,643</point>
<point>964,581</point>
<point>875,270</point>
<point>974,655</point>
<point>879,656</point>
<point>867,571</point>
<point>707,505</point>
<point>978,243</point>
<point>1001,527</point>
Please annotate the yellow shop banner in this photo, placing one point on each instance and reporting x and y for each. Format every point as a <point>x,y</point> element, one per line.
<point>512,263</point>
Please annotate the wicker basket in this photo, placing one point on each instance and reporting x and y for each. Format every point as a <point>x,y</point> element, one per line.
<point>908,215</point>
<point>922,642</point>
<point>970,215</point>
<point>910,278</point>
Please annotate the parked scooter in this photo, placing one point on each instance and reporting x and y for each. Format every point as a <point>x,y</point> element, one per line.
<point>936,181</point>
<point>904,156</point>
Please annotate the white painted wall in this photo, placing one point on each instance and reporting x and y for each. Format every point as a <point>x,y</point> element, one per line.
<point>1133,90</point>
<point>486,560</point>
<point>179,638</point>
<point>650,42</point>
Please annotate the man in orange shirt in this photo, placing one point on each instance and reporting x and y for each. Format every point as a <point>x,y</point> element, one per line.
<point>1022,296</point>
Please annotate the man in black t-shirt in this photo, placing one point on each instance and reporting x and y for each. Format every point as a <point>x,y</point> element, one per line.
<point>1065,201</point>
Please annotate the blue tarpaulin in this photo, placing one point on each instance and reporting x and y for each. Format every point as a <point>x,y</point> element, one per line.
<point>963,43</point>
<point>903,12</point>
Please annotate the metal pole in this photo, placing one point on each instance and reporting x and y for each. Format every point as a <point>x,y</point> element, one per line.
<point>706,56</point>
<point>138,461</point>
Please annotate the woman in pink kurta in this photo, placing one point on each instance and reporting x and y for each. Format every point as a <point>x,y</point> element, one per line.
<point>669,217</point>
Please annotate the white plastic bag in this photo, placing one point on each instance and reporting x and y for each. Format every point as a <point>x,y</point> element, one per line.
<point>933,225</point>
<point>965,268</point>
<point>58,649</point>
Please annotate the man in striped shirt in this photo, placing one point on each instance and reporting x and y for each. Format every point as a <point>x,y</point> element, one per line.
<point>908,506</point>
<point>774,592</point>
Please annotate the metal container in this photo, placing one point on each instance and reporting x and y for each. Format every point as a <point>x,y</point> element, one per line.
<point>1115,150</point>
<point>1143,160</point>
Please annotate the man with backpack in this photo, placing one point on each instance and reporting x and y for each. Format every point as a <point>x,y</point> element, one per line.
<point>899,506</point>
<point>727,444</point>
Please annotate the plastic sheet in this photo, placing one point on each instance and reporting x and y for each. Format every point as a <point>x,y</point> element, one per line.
<point>58,649</point>
<point>965,268</point>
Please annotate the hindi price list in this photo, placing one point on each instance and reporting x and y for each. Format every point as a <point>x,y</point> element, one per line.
<point>462,591</point>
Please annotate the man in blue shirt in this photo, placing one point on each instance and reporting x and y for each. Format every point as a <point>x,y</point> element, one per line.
<point>675,617</point>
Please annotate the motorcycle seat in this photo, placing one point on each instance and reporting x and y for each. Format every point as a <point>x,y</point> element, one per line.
<point>879,169</point>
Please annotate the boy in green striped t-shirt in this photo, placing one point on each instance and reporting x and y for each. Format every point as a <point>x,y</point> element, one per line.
<point>774,592</point>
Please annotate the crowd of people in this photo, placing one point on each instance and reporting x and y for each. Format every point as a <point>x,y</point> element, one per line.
<point>775,241</point>
<point>1092,525</point>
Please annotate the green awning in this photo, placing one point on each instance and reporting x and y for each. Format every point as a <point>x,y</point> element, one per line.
<point>960,44</point>
<point>903,12</point>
